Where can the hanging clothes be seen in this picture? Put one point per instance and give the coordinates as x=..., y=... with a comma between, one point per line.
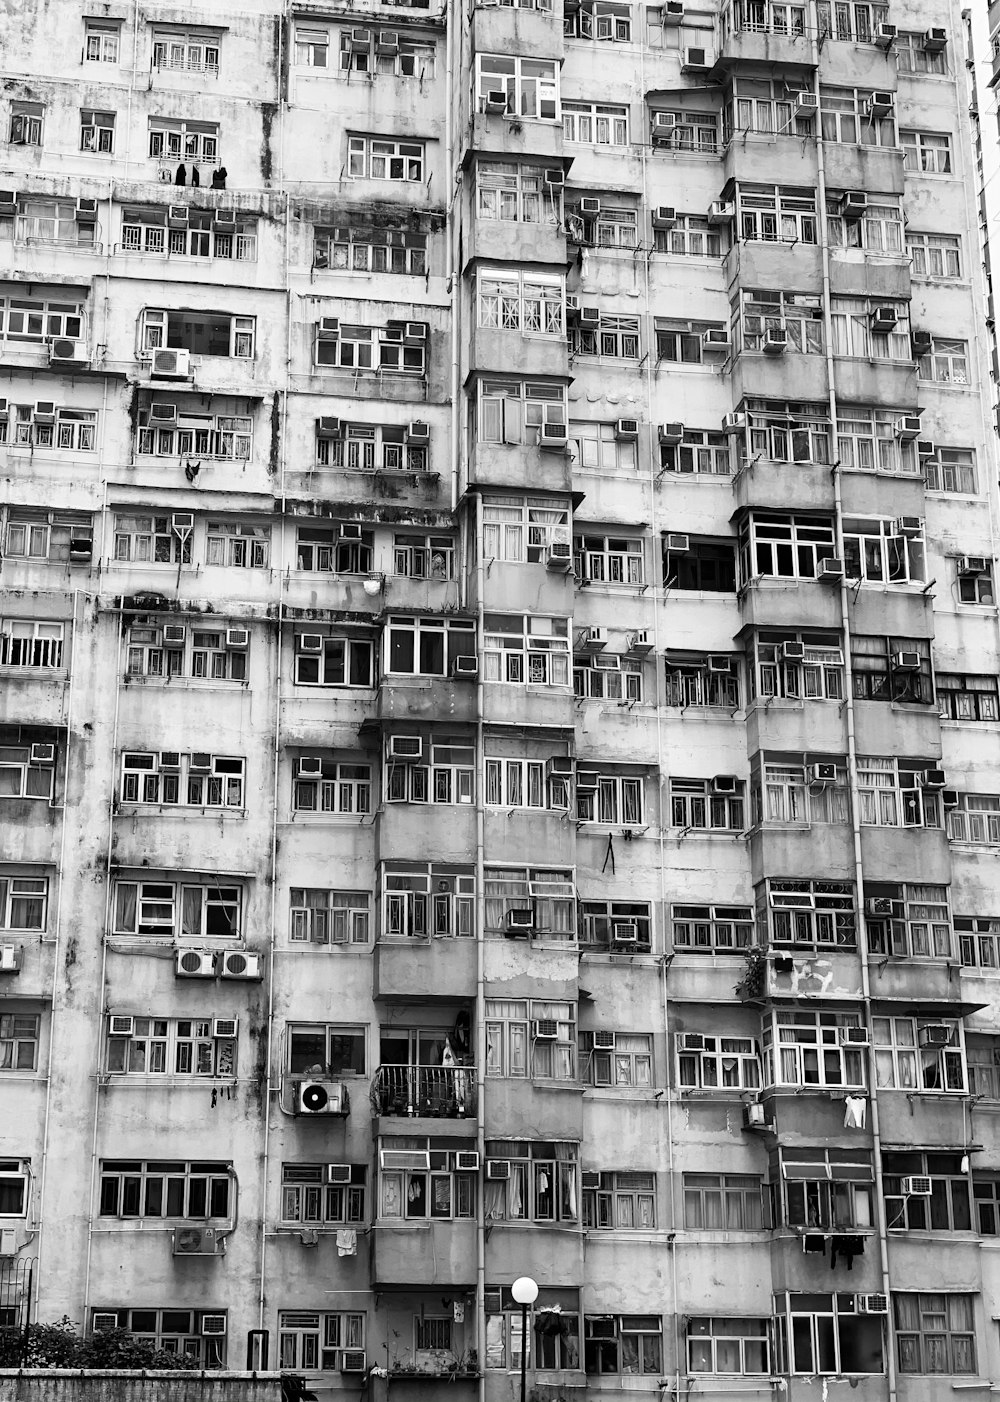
x=855, y=1111
x=347, y=1242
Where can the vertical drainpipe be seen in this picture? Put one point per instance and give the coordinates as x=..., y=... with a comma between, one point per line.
x=852, y=772
x=480, y=965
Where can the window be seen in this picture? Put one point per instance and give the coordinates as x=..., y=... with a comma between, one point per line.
x=608, y=677
x=609, y=798
x=367, y=249
x=149, y=231
x=41, y=319
x=541, y=1186
x=699, y=452
x=623, y=1343
x=23, y=901
x=986, y=1192
x=173, y=139
x=595, y=123
x=615, y=925
x=796, y=433
x=867, y=442
x=723, y=1202
x=604, y=21
x=935, y=1333
x=310, y=1342
x=72, y=429
x=530, y=85
x=514, y=193
x=312, y=46
x=760, y=17
x=531, y=1039
x=343, y=549
x=855, y=330
x=393, y=347
x=934, y=255
x=202, y=333
x=520, y=530
x=550, y=896
x=978, y=940
x=983, y=1063
x=237, y=546
x=946, y=1210
x=822, y=1334
x=890, y=793
x=53, y=221
x=319, y=916
x=325, y=1050
x=14, y=1187
x=332, y=661
x=759, y=106
x=966, y=696
x=620, y=1202
x=198, y=1335
x=524, y=302
x=617, y=338
x=772, y=213
x=822, y=1188
x=195, y=780
x=879, y=230
x=717, y=1063
x=946, y=363
x=857, y=22
x=426, y=903
x=191, y=1191
x=200, y=654
x=449, y=777
x=97, y=131
x=975, y=819
x=845, y=117
x=927, y=152
x=612, y=228
x=176, y=909
x=952, y=470
x=703, y=681
x=809, y=913
x=513, y=411
x=798, y=314
x=916, y=1054
x=307, y=1199
x=975, y=586
x=19, y=1034
x=342, y=789
x=691, y=237
x=609, y=559
x=804, y=1049
x=431, y=1187
x=522, y=783
x=27, y=121
x=701, y=804
x=526, y=648
x=706, y=566
x=788, y=546
x=373, y=158
x=727, y=1345
x=876, y=553
x=186, y=52
x=100, y=43
x=694, y=132
x=711, y=929
x=817, y=675
x=370, y=448
x=27, y=643
x=892, y=669
x=170, y=1046
x=628, y=1061
x=151, y=540
x=556, y=1348
x=21, y=776
x=918, y=926
x=425, y=646
x=597, y=447
x=408, y=59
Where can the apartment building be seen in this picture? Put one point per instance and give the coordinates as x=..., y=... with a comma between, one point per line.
x=501, y=736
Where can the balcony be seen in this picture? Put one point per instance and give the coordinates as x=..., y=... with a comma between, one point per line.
x=800, y=486
x=426, y=698
x=441, y=1255
x=877, y=169
x=520, y=465
x=425, y=1093
x=493, y=350
x=768, y=601
x=537, y=33
x=754, y=44
x=516, y=136
x=418, y=969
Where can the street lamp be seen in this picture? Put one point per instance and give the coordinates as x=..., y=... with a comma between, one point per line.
x=525, y=1293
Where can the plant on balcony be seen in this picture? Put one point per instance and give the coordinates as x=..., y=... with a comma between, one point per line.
x=752, y=984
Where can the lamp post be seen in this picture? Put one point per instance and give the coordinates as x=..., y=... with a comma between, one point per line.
x=525, y=1293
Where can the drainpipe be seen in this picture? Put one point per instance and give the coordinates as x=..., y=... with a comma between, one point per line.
x=480, y=964
x=852, y=771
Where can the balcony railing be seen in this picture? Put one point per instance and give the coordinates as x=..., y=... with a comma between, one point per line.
x=421, y=1092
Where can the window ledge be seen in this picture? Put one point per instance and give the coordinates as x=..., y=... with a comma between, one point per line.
x=124, y=1080
x=176, y=810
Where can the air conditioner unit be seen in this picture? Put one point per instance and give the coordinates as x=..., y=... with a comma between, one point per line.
x=104, y=1321
x=497, y=1169
x=690, y=1041
x=553, y=436
x=664, y=216
x=950, y=798
x=163, y=413
x=624, y=932
x=716, y=338
x=639, y=643
x=793, y=651
x=177, y=216
x=916, y=1186
x=753, y=1116
x=418, y=432
x=664, y=126
x=878, y=906
x=775, y=340
x=224, y=1029
x=64, y=352
x=853, y=204
x=328, y=328
x=555, y=179
x=559, y=766
x=934, y=1034
x=310, y=767
x=310, y=642
x=171, y=364
x=8, y=1242
x=195, y=963
x=586, y=782
x=590, y=317
x=174, y=632
x=831, y=570
x=973, y=564
x=338, y=1173
x=10, y=959
x=353, y=1360
x=879, y=105
x=909, y=526
x=872, y=1304
x=670, y=435
x=238, y=638
x=908, y=427
x=196, y=1241
x=589, y=1179
x=854, y=1037
x=119, y=1026
x=725, y=783
x=4, y=411
x=238, y=964
x=590, y=206
x=8, y=204
x=351, y=530
x=328, y=428
x=320, y=1097
x=823, y=774
x=467, y=1160
x=719, y=664
x=360, y=40
x=677, y=544
x=934, y=40
x=559, y=556
x=907, y=661
x=545, y=1029
x=405, y=746
x=495, y=102
x=387, y=42
x=224, y=220
x=594, y=639
x=672, y=12
x=920, y=343
x=521, y=918
x=42, y=754
x=885, y=35
x=627, y=430
x=883, y=320
x=805, y=104
x=695, y=61
x=925, y=449
x=86, y=210
x=734, y=423
x=415, y=332
x=465, y=668
x=170, y=759
x=213, y=1325
x=721, y=212
x=45, y=411
x=604, y=1041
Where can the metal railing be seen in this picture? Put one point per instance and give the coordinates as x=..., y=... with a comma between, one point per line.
x=420, y=1092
